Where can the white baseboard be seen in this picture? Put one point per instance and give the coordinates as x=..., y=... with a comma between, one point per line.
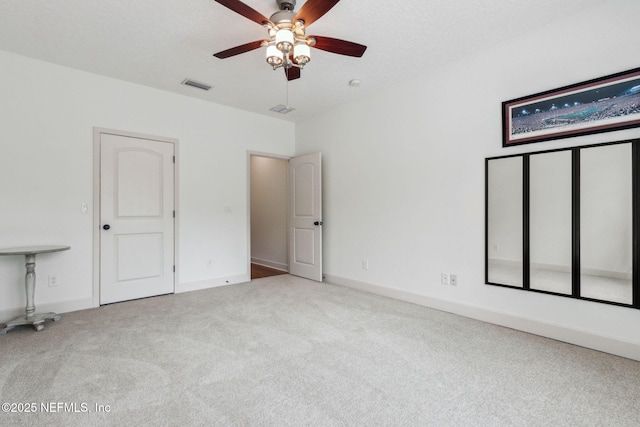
x=83, y=304
x=617, y=346
x=54, y=307
x=211, y=283
x=271, y=264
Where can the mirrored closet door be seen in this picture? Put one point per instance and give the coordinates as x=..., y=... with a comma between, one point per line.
x=562, y=222
x=606, y=224
x=504, y=225
x=550, y=222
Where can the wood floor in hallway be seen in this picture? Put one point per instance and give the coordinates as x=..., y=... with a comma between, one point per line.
x=259, y=271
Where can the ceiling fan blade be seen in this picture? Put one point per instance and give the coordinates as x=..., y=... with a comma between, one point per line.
x=292, y=73
x=341, y=47
x=244, y=10
x=239, y=49
x=313, y=10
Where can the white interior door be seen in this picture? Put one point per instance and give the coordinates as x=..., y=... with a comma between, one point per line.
x=305, y=225
x=136, y=218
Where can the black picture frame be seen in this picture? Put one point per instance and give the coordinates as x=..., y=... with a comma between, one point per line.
x=600, y=105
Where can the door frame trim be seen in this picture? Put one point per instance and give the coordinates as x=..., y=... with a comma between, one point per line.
x=251, y=153
x=97, y=132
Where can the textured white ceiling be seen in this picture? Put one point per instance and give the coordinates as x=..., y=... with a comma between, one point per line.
x=159, y=43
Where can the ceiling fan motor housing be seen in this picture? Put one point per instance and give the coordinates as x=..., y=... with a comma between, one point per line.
x=283, y=18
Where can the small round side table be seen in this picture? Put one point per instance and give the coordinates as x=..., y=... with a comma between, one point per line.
x=31, y=317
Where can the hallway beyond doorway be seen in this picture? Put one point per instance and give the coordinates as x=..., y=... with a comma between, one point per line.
x=258, y=271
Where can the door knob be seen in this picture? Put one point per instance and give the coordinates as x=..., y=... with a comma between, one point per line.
x=317, y=223
x=106, y=227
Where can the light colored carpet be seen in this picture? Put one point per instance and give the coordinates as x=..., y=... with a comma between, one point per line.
x=286, y=351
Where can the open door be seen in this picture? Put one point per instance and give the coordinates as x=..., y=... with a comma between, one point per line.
x=305, y=210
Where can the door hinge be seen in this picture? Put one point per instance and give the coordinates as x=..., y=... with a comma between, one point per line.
x=174, y=159
x=174, y=214
x=174, y=268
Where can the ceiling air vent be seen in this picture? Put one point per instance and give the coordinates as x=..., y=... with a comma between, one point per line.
x=282, y=109
x=193, y=83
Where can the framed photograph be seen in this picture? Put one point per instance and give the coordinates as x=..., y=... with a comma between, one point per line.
x=600, y=105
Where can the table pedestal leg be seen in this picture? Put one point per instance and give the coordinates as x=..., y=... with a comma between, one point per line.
x=30, y=284
x=30, y=317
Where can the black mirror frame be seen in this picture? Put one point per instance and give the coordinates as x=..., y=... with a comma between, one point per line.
x=575, y=220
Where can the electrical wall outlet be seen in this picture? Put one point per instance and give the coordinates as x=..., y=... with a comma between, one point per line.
x=53, y=281
x=453, y=280
x=444, y=278
x=365, y=264
x=209, y=263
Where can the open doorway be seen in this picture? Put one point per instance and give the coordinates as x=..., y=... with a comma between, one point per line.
x=285, y=211
x=269, y=178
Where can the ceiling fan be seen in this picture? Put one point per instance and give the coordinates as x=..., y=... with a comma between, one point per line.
x=288, y=46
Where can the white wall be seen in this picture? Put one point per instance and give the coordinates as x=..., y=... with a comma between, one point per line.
x=47, y=115
x=269, y=202
x=404, y=176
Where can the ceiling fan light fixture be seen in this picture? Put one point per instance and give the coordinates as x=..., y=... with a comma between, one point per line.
x=284, y=40
x=301, y=53
x=274, y=56
x=288, y=46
